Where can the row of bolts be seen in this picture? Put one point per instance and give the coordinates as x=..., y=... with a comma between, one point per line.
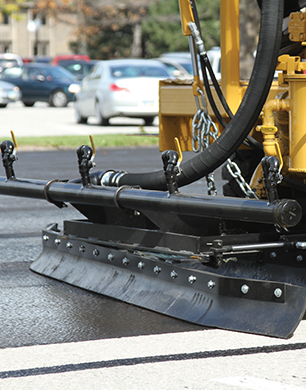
x=173, y=274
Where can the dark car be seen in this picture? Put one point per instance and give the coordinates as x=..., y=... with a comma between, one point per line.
x=79, y=68
x=43, y=83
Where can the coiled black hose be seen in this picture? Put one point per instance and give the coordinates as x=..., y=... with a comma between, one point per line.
x=240, y=126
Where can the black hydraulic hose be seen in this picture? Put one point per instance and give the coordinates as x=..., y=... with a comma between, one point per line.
x=206, y=65
x=246, y=116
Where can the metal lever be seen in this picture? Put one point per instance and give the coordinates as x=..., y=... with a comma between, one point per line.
x=170, y=160
x=85, y=160
x=8, y=158
x=271, y=175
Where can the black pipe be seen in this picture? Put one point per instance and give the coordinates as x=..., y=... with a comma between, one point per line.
x=245, y=118
x=284, y=213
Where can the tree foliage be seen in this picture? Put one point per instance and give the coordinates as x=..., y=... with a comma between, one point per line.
x=11, y=7
x=162, y=31
x=112, y=30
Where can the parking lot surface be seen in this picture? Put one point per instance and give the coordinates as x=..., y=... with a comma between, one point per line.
x=56, y=336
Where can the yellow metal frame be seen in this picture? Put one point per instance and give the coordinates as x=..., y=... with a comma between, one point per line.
x=177, y=102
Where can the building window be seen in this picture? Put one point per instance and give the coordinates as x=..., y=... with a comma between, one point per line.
x=4, y=19
x=5, y=47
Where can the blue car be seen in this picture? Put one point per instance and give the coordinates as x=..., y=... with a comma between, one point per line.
x=43, y=83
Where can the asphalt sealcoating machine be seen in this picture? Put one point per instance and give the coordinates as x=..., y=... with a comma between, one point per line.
x=236, y=261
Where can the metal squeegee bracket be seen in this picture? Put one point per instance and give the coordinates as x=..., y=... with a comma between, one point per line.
x=200, y=296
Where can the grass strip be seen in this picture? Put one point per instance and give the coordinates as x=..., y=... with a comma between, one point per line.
x=100, y=140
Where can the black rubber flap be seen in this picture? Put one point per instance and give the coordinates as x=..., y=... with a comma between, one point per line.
x=277, y=317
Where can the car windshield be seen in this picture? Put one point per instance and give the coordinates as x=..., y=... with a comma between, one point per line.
x=130, y=71
x=8, y=63
x=57, y=73
x=12, y=72
x=187, y=66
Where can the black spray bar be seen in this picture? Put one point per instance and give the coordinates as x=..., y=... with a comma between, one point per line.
x=284, y=212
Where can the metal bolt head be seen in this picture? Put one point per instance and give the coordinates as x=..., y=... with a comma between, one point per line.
x=156, y=269
x=192, y=279
x=95, y=252
x=278, y=292
x=173, y=274
x=57, y=241
x=272, y=255
x=125, y=261
x=69, y=245
x=82, y=249
x=299, y=258
x=211, y=284
x=245, y=289
x=45, y=237
x=110, y=257
x=141, y=265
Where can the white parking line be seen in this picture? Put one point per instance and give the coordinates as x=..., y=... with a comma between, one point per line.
x=257, y=383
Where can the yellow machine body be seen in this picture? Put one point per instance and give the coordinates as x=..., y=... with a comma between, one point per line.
x=281, y=127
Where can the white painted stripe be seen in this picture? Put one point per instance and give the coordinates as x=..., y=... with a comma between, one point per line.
x=248, y=382
x=131, y=347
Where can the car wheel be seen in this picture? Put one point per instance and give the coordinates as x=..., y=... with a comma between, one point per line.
x=78, y=117
x=100, y=119
x=3, y=105
x=28, y=104
x=149, y=120
x=58, y=99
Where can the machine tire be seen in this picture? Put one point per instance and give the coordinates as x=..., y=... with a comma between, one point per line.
x=101, y=120
x=28, y=104
x=78, y=117
x=3, y=105
x=58, y=99
x=149, y=120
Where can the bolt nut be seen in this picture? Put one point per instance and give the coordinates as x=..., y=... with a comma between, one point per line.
x=245, y=289
x=273, y=255
x=192, y=279
x=278, y=292
x=45, y=237
x=125, y=261
x=82, y=249
x=141, y=265
x=211, y=284
x=57, y=241
x=173, y=274
x=156, y=269
x=110, y=257
x=95, y=252
x=69, y=245
x=299, y=258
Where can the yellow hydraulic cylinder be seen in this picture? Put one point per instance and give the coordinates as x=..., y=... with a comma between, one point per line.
x=297, y=130
x=230, y=69
x=186, y=16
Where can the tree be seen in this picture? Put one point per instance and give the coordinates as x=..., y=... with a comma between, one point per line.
x=249, y=22
x=11, y=7
x=162, y=31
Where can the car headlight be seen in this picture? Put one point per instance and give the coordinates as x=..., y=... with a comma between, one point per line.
x=74, y=88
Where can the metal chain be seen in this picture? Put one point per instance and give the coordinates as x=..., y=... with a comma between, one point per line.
x=202, y=129
x=235, y=172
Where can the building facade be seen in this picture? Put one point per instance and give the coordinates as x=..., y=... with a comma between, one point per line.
x=30, y=36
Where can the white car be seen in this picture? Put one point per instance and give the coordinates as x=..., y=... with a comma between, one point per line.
x=126, y=87
x=9, y=93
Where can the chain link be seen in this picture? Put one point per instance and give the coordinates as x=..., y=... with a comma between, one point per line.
x=235, y=172
x=202, y=129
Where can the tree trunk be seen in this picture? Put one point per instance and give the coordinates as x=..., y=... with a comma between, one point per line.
x=249, y=29
x=136, y=46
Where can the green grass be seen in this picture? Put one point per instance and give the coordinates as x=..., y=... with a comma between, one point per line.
x=101, y=141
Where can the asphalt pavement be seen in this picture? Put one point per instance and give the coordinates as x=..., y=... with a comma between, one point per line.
x=56, y=336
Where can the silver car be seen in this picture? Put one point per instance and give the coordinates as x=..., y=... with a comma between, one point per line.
x=8, y=93
x=121, y=88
